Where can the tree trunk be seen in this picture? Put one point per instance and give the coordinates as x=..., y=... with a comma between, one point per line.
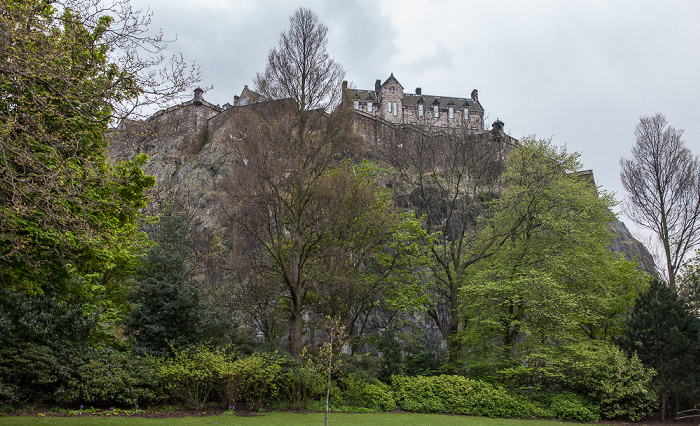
x=295, y=325
x=663, y=407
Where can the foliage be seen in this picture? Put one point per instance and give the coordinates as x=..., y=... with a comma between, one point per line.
x=665, y=334
x=360, y=392
x=662, y=180
x=108, y=377
x=43, y=338
x=62, y=205
x=167, y=312
x=689, y=284
x=572, y=407
x=460, y=395
x=553, y=277
x=618, y=385
x=195, y=375
x=447, y=172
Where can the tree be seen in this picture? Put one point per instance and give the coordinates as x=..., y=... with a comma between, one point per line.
x=553, y=278
x=313, y=214
x=67, y=70
x=665, y=335
x=167, y=312
x=449, y=173
x=300, y=69
x=689, y=284
x=662, y=180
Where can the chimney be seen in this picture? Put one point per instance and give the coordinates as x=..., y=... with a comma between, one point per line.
x=475, y=95
x=418, y=91
x=377, y=86
x=198, y=98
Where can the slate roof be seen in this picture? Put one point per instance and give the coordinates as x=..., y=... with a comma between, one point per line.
x=412, y=100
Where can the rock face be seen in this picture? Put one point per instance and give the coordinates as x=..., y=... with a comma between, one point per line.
x=190, y=153
x=634, y=250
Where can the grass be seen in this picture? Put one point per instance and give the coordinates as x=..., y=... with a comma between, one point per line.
x=287, y=419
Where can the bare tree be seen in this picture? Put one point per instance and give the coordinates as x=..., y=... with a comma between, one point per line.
x=662, y=180
x=290, y=193
x=300, y=68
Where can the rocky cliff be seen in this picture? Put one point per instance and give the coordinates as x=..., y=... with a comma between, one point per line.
x=190, y=153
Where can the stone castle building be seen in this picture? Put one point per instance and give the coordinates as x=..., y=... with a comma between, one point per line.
x=390, y=103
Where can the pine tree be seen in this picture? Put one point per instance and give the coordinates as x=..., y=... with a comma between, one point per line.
x=666, y=336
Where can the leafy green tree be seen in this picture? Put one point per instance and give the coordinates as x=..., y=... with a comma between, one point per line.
x=448, y=174
x=167, y=312
x=553, y=277
x=665, y=335
x=67, y=70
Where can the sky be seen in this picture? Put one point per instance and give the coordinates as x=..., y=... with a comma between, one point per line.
x=580, y=72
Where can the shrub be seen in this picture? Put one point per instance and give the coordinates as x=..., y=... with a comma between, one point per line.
x=373, y=395
x=250, y=379
x=573, y=407
x=620, y=386
x=197, y=374
x=298, y=386
x=191, y=375
x=459, y=395
x=109, y=377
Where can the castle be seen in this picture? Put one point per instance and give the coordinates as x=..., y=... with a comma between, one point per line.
x=390, y=103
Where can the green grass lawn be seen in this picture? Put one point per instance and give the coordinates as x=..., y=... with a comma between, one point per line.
x=287, y=419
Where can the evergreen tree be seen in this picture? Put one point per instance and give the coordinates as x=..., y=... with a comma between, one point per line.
x=666, y=336
x=168, y=311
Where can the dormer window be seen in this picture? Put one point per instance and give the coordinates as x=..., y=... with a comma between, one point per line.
x=244, y=101
x=369, y=106
x=436, y=111
x=357, y=104
x=466, y=113
x=451, y=111
x=391, y=89
x=420, y=110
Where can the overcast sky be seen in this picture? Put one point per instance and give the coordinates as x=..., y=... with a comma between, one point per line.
x=580, y=72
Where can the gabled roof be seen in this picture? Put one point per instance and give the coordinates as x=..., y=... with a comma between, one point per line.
x=392, y=79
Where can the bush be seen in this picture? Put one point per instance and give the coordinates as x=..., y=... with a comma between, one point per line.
x=109, y=377
x=620, y=386
x=572, y=407
x=373, y=395
x=195, y=375
x=192, y=375
x=459, y=395
x=298, y=386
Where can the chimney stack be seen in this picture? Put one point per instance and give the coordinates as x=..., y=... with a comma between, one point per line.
x=418, y=91
x=475, y=95
x=198, y=98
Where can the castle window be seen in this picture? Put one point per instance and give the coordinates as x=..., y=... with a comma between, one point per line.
x=466, y=114
x=451, y=111
x=391, y=89
x=388, y=107
x=436, y=111
x=357, y=104
x=396, y=109
x=420, y=110
x=244, y=101
x=369, y=106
